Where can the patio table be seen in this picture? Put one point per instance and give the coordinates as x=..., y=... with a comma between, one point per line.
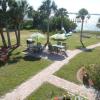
x=58, y=48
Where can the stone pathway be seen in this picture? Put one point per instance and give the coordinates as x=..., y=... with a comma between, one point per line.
x=26, y=88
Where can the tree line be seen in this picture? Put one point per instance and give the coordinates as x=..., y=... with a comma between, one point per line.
x=46, y=18
x=11, y=15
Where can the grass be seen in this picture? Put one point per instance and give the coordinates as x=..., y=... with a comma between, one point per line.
x=69, y=71
x=74, y=41
x=48, y=92
x=19, y=68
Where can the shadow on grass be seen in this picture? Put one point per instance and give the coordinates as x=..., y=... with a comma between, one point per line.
x=14, y=60
x=17, y=53
x=84, y=49
x=31, y=58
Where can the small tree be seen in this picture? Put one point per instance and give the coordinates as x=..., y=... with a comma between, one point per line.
x=18, y=9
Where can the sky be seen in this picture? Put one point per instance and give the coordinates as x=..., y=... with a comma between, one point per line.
x=93, y=6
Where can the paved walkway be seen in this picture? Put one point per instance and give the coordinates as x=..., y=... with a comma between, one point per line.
x=26, y=88
x=71, y=87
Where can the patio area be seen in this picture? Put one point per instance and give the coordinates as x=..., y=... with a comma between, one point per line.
x=58, y=53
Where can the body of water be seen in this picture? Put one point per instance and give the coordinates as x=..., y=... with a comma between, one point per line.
x=89, y=24
x=88, y=27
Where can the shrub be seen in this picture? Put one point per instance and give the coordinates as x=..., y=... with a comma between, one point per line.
x=94, y=73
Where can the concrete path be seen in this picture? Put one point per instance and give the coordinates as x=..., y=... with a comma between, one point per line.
x=71, y=87
x=26, y=88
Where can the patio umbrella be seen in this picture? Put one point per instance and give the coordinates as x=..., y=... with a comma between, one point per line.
x=68, y=34
x=36, y=36
x=58, y=37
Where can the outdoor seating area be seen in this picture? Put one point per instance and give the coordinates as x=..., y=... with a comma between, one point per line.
x=35, y=48
x=33, y=44
x=58, y=48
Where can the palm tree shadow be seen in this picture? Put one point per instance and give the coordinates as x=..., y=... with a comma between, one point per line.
x=84, y=49
x=31, y=58
x=14, y=60
x=53, y=56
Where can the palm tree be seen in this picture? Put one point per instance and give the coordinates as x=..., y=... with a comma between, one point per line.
x=3, y=22
x=45, y=9
x=82, y=14
x=18, y=9
x=62, y=12
x=35, y=15
x=6, y=13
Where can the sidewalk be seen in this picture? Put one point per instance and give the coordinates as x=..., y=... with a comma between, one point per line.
x=71, y=87
x=26, y=88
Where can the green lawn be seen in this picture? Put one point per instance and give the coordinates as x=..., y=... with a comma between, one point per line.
x=19, y=68
x=69, y=71
x=74, y=41
x=48, y=92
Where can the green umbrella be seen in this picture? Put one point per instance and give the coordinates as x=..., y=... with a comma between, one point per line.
x=58, y=37
x=36, y=36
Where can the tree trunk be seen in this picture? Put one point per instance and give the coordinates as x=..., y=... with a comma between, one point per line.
x=8, y=36
x=61, y=22
x=18, y=35
x=47, y=34
x=81, y=40
x=3, y=39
